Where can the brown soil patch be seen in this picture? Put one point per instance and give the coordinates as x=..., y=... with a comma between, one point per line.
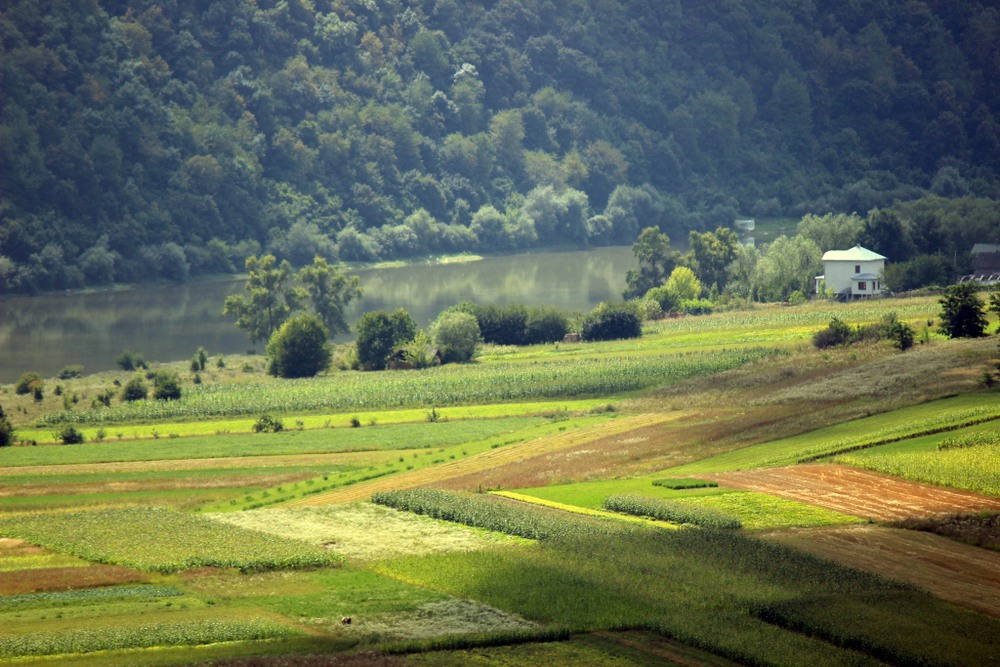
x=176, y=484
x=953, y=571
x=66, y=578
x=10, y=546
x=857, y=492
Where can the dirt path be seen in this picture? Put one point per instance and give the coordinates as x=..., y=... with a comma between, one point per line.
x=953, y=571
x=858, y=492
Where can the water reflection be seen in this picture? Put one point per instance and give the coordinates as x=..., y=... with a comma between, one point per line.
x=169, y=322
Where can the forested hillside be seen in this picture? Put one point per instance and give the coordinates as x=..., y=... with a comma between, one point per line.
x=162, y=138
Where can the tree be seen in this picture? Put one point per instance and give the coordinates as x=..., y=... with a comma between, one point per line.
x=832, y=231
x=6, y=430
x=713, y=252
x=656, y=261
x=456, y=336
x=299, y=348
x=330, y=293
x=683, y=284
x=377, y=337
x=269, y=298
x=786, y=265
x=962, y=312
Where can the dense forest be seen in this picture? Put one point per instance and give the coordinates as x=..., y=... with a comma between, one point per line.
x=145, y=139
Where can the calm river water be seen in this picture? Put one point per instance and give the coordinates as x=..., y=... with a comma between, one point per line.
x=169, y=322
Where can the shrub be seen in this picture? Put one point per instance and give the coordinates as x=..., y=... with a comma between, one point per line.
x=545, y=325
x=70, y=372
x=667, y=299
x=685, y=483
x=299, y=348
x=135, y=390
x=502, y=325
x=666, y=510
x=69, y=435
x=25, y=382
x=167, y=386
x=612, y=321
x=837, y=333
x=128, y=361
x=268, y=424
x=379, y=335
x=6, y=430
x=697, y=306
x=456, y=336
x=650, y=308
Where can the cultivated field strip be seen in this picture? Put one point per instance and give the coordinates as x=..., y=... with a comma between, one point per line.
x=857, y=492
x=485, y=460
x=953, y=571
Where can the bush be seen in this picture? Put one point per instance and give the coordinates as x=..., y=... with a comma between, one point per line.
x=502, y=325
x=697, y=306
x=837, y=333
x=299, y=348
x=129, y=361
x=268, y=424
x=135, y=390
x=27, y=383
x=70, y=436
x=456, y=336
x=379, y=335
x=6, y=430
x=70, y=372
x=167, y=386
x=667, y=299
x=612, y=321
x=545, y=325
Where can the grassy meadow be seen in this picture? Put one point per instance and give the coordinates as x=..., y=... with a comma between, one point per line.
x=541, y=504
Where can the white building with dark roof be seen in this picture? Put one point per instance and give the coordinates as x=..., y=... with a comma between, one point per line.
x=851, y=273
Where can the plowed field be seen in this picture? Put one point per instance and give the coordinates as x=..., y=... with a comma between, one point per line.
x=858, y=492
x=951, y=570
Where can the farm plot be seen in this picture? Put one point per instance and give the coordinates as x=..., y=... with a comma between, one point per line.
x=479, y=463
x=160, y=540
x=26, y=568
x=857, y=492
x=347, y=530
x=953, y=571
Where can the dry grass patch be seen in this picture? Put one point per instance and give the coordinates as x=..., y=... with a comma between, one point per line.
x=348, y=529
x=438, y=619
x=37, y=580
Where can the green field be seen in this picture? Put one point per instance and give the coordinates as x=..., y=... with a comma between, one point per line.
x=180, y=537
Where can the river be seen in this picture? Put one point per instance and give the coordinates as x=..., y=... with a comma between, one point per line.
x=169, y=322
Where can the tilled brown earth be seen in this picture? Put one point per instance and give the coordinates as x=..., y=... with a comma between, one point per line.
x=858, y=492
x=953, y=571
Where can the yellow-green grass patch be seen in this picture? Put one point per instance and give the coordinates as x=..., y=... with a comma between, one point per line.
x=575, y=509
x=182, y=429
x=760, y=511
x=975, y=469
x=347, y=530
x=591, y=495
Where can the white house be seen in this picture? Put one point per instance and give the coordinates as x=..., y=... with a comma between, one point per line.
x=851, y=273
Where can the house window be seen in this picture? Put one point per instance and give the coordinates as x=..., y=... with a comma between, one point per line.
x=857, y=268
x=862, y=286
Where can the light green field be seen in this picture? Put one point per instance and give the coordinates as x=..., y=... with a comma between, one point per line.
x=905, y=423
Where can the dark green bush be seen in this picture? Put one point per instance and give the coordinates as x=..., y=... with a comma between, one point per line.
x=268, y=424
x=685, y=483
x=167, y=386
x=135, y=390
x=70, y=372
x=25, y=382
x=612, y=321
x=299, y=348
x=69, y=435
x=6, y=430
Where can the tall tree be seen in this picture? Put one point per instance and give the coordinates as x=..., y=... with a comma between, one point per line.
x=713, y=252
x=962, y=312
x=330, y=293
x=656, y=260
x=269, y=298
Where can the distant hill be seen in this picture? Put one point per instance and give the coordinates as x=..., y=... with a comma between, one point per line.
x=162, y=138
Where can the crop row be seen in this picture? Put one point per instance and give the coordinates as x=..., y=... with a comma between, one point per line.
x=484, y=511
x=85, y=596
x=162, y=540
x=444, y=386
x=669, y=510
x=139, y=636
x=969, y=468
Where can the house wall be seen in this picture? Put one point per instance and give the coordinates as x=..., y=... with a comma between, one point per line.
x=838, y=273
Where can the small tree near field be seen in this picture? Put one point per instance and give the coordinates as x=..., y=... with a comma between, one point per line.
x=135, y=390
x=456, y=336
x=299, y=348
x=6, y=430
x=962, y=312
x=167, y=386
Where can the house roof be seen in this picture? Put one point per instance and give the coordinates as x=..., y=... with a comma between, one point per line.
x=855, y=254
x=979, y=248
